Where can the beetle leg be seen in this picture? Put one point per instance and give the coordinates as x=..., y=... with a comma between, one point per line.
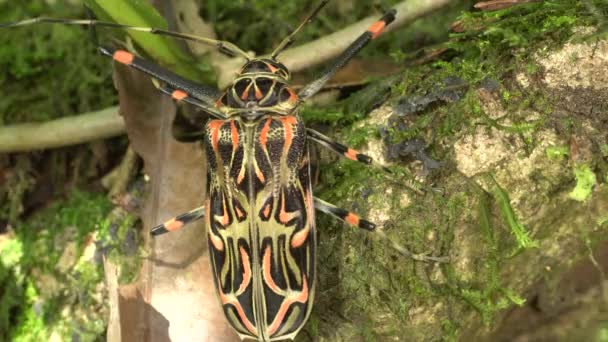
x=182, y=129
x=180, y=95
x=203, y=93
x=359, y=43
x=337, y=147
x=179, y=221
x=354, y=220
x=343, y=215
x=223, y=46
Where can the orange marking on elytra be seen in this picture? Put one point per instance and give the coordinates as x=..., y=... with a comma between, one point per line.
x=235, y=135
x=123, y=57
x=179, y=95
x=351, y=154
x=239, y=310
x=288, y=122
x=264, y=133
x=216, y=241
x=266, y=211
x=352, y=219
x=241, y=175
x=225, y=217
x=214, y=127
x=173, y=224
x=302, y=297
x=376, y=28
x=246, y=271
x=300, y=237
x=239, y=213
x=310, y=206
x=259, y=173
x=267, y=276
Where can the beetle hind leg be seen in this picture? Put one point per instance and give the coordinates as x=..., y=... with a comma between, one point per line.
x=179, y=221
x=354, y=220
x=343, y=215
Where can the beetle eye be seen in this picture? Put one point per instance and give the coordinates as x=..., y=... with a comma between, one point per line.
x=284, y=95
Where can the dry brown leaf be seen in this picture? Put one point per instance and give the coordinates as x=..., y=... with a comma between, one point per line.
x=174, y=298
x=358, y=71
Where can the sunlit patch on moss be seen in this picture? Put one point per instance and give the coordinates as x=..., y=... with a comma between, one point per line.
x=557, y=152
x=585, y=181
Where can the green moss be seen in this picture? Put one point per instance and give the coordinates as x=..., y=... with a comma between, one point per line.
x=604, y=150
x=31, y=325
x=557, y=152
x=49, y=71
x=54, y=280
x=486, y=295
x=120, y=235
x=519, y=231
x=585, y=181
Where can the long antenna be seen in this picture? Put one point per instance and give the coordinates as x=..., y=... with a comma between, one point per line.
x=289, y=39
x=223, y=46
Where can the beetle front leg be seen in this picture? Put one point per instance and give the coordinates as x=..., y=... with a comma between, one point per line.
x=179, y=221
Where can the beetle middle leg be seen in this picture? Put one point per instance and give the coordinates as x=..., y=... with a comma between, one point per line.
x=179, y=221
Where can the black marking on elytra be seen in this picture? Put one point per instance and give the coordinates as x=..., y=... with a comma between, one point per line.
x=225, y=145
x=273, y=300
x=219, y=201
x=294, y=154
x=292, y=200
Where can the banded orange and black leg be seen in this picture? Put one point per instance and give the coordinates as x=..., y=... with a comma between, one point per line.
x=179, y=221
x=204, y=94
x=337, y=147
x=344, y=215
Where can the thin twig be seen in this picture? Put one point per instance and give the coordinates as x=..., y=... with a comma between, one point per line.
x=66, y=131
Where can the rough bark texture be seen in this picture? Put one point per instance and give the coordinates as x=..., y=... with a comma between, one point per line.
x=519, y=203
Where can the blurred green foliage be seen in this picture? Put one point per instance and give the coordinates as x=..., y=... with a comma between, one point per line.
x=49, y=71
x=260, y=25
